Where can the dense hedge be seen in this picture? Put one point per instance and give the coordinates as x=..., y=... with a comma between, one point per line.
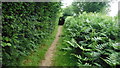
x=93, y=39
x=25, y=25
x=0, y=33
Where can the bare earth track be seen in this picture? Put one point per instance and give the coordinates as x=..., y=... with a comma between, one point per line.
x=50, y=52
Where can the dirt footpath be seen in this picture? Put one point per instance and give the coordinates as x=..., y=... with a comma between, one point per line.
x=50, y=53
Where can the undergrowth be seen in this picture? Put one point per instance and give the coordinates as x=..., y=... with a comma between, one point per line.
x=63, y=58
x=38, y=55
x=93, y=40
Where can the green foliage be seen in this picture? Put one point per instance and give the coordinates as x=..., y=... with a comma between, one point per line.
x=93, y=39
x=38, y=55
x=63, y=57
x=79, y=7
x=25, y=25
x=0, y=33
x=68, y=11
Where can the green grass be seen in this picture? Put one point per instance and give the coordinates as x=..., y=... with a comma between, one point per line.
x=36, y=57
x=63, y=58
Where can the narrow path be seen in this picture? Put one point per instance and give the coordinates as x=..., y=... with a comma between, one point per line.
x=50, y=53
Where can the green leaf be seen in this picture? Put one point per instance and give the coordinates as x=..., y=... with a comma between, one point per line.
x=8, y=44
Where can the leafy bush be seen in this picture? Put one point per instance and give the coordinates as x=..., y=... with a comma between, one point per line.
x=25, y=25
x=93, y=39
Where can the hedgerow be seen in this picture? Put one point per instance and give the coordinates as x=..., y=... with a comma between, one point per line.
x=24, y=26
x=93, y=39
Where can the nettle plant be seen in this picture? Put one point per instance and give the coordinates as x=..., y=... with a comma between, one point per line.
x=93, y=39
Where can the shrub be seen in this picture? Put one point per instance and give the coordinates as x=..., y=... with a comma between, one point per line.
x=93, y=39
x=25, y=25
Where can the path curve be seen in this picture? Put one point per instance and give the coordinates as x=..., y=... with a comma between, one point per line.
x=50, y=52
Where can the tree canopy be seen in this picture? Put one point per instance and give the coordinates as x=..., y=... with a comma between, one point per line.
x=79, y=7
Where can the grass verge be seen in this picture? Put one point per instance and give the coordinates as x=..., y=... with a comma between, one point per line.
x=63, y=58
x=36, y=57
